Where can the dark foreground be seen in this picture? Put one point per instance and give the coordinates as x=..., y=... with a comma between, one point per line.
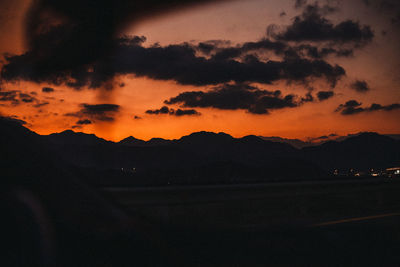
x=355, y=223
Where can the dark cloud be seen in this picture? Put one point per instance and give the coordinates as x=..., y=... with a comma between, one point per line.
x=282, y=14
x=299, y=3
x=183, y=112
x=360, y=86
x=163, y=110
x=316, y=52
x=47, y=90
x=16, y=97
x=367, y=2
x=179, y=63
x=41, y=104
x=324, y=95
x=352, y=107
x=98, y=112
x=10, y=96
x=170, y=111
x=308, y=98
x=27, y=98
x=237, y=96
x=73, y=50
x=312, y=26
x=67, y=35
x=206, y=48
x=84, y=122
x=277, y=47
x=137, y=117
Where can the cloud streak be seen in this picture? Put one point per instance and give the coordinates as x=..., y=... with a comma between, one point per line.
x=171, y=111
x=95, y=113
x=353, y=107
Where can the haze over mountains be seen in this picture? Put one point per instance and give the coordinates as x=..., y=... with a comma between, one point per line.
x=201, y=157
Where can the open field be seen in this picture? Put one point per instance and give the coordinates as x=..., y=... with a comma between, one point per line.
x=347, y=223
x=261, y=205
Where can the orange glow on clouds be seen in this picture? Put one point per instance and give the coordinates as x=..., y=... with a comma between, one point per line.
x=378, y=64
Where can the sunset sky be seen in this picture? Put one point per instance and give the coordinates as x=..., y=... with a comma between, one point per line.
x=295, y=69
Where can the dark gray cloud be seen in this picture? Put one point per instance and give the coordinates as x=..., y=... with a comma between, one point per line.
x=238, y=96
x=352, y=107
x=47, y=90
x=299, y=3
x=183, y=112
x=67, y=35
x=360, y=86
x=163, y=110
x=312, y=26
x=367, y=2
x=97, y=112
x=84, y=122
x=324, y=95
x=16, y=97
x=56, y=56
x=321, y=52
x=171, y=111
x=41, y=104
x=176, y=62
x=10, y=96
x=279, y=48
x=308, y=98
x=27, y=98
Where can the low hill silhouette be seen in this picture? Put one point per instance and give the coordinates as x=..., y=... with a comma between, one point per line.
x=198, y=158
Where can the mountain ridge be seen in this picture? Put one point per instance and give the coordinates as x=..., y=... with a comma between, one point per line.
x=155, y=141
x=198, y=158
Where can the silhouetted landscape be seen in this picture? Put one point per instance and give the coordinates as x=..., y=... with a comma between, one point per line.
x=204, y=157
x=207, y=133
x=215, y=158
x=210, y=211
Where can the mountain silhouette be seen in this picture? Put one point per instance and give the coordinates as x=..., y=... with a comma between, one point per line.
x=201, y=157
x=364, y=151
x=70, y=137
x=132, y=141
x=297, y=143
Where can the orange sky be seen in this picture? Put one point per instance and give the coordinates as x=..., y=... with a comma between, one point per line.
x=239, y=21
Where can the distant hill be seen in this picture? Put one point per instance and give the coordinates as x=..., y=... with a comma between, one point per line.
x=297, y=143
x=70, y=137
x=364, y=151
x=132, y=141
x=394, y=136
